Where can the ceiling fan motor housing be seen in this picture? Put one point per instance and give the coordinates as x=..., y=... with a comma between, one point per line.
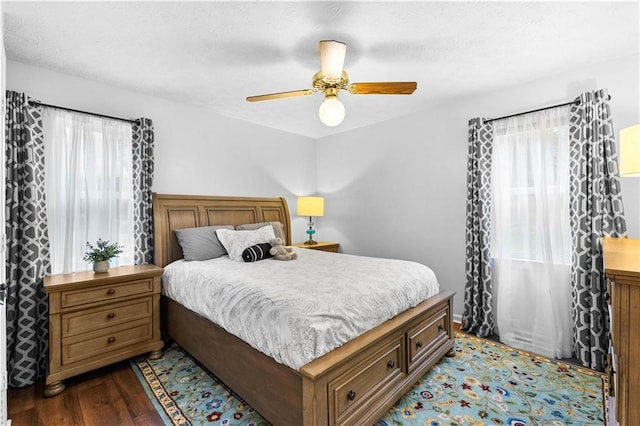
x=322, y=83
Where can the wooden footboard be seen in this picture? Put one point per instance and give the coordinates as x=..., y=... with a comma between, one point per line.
x=353, y=384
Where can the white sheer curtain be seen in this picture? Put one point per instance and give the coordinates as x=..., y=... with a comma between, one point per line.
x=88, y=186
x=531, y=237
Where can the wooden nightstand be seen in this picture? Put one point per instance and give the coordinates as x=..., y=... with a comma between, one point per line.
x=322, y=245
x=98, y=319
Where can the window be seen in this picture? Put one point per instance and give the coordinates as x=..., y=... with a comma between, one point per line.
x=530, y=180
x=88, y=186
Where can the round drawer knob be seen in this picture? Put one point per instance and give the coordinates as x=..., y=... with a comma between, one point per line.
x=391, y=364
x=351, y=395
x=111, y=291
x=419, y=344
x=111, y=339
x=110, y=315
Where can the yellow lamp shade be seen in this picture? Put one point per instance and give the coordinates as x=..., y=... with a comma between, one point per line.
x=311, y=206
x=630, y=151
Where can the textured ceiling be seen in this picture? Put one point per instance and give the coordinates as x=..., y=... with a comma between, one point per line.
x=214, y=54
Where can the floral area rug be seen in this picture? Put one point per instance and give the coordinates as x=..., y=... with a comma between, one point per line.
x=486, y=383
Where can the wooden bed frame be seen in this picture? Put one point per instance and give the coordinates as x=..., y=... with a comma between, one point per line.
x=353, y=384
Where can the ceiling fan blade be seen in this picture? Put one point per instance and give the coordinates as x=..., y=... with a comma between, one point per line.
x=280, y=95
x=332, y=58
x=383, y=88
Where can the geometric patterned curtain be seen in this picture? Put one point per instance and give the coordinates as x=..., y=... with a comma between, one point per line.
x=596, y=210
x=478, y=308
x=27, y=242
x=143, y=138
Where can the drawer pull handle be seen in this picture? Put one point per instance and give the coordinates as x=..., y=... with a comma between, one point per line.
x=351, y=395
x=111, y=339
x=419, y=344
x=391, y=364
x=440, y=328
x=110, y=315
x=111, y=291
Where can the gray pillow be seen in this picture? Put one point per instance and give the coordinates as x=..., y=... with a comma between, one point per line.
x=278, y=228
x=201, y=243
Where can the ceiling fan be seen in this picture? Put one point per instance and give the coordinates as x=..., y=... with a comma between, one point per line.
x=332, y=78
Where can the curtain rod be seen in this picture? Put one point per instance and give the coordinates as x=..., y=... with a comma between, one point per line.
x=82, y=112
x=577, y=102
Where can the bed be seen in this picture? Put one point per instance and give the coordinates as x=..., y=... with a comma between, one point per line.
x=355, y=383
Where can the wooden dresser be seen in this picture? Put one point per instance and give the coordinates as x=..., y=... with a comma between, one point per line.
x=322, y=245
x=99, y=319
x=622, y=265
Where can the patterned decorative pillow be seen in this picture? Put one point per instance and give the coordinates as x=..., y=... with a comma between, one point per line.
x=236, y=241
x=201, y=243
x=256, y=252
x=278, y=228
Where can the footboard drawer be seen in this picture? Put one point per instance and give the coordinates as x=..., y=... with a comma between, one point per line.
x=374, y=375
x=424, y=338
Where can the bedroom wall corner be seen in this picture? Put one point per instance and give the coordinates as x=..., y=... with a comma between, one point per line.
x=398, y=188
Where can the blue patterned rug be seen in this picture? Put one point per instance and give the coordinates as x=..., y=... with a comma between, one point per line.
x=486, y=383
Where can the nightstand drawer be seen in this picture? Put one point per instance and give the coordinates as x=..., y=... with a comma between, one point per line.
x=110, y=339
x=105, y=316
x=105, y=292
x=330, y=249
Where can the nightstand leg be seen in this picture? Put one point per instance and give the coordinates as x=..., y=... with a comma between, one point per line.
x=451, y=353
x=156, y=354
x=54, y=389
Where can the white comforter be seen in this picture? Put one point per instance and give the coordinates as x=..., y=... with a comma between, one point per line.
x=295, y=311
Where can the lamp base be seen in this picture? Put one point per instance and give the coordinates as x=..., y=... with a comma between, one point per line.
x=310, y=242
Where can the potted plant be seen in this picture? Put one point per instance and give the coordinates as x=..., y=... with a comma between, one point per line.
x=101, y=254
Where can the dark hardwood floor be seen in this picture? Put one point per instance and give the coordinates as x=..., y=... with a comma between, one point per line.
x=108, y=396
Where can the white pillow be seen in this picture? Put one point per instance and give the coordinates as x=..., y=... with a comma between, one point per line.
x=236, y=241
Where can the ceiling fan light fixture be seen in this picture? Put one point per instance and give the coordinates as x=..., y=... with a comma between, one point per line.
x=331, y=111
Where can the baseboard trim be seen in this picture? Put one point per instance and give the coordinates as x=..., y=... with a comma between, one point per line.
x=457, y=322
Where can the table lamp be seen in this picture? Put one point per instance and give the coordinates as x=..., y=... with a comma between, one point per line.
x=630, y=151
x=312, y=207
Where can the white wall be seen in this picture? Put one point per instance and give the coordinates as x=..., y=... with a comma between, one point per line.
x=196, y=152
x=398, y=189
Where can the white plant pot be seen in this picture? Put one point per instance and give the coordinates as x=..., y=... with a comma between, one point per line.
x=102, y=266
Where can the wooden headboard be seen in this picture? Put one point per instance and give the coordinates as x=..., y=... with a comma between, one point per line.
x=189, y=211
